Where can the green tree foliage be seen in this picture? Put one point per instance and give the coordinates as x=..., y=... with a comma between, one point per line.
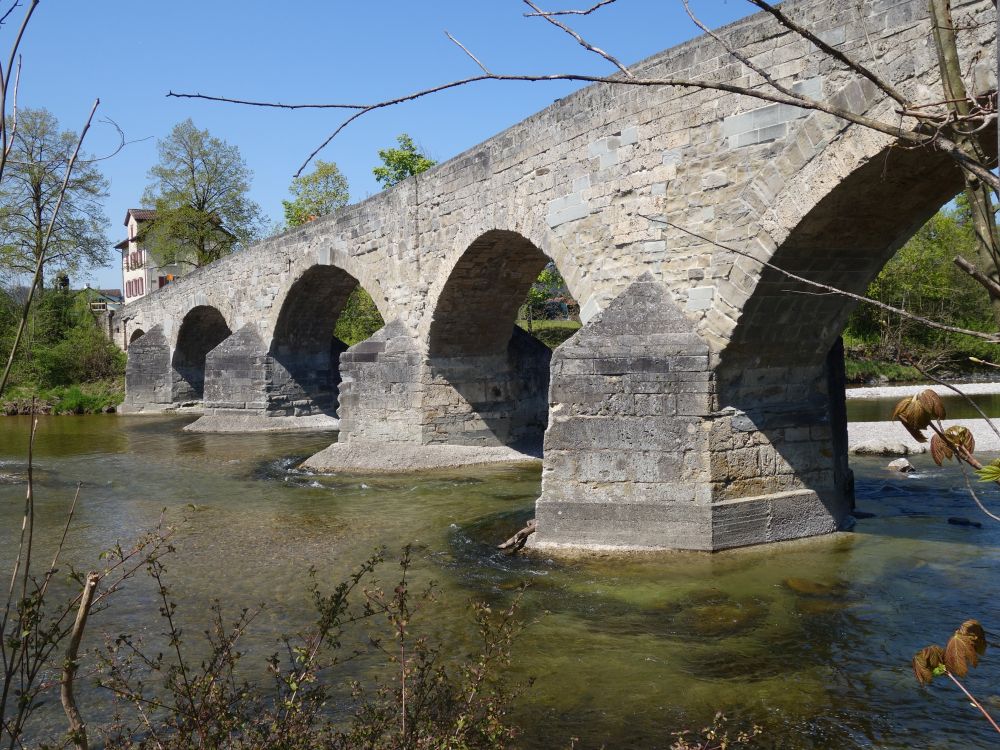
x=64, y=344
x=200, y=192
x=923, y=280
x=360, y=318
x=400, y=163
x=33, y=178
x=318, y=193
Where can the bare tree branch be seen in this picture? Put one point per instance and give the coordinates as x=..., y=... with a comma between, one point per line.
x=991, y=337
x=78, y=729
x=991, y=286
x=586, y=12
x=580, y=40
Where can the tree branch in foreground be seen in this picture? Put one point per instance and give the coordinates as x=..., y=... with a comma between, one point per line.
x=78, y=729
x=990, y=337
x=930, y=128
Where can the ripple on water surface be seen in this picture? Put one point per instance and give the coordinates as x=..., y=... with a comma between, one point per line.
x=812, y=640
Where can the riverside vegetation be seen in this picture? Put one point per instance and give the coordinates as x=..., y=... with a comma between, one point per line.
x=67, y=364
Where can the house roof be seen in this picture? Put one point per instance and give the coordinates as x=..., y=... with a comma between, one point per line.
x=140, y=214
x=115, y=294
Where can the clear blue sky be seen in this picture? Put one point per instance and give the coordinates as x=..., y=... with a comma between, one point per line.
x=131, y=53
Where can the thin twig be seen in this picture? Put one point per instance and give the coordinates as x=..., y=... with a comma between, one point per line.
x=465, y=49
x=972, y=492
x=992, y=338
x=580, y=40
x=586, y=12
x=975, y=703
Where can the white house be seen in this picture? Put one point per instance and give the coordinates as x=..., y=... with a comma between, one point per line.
x=140, y=273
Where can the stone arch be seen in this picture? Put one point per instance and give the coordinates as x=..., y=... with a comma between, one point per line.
x=779, y=379
x=138, y=333
x=304, y=349
x=844, y=241
x=487, y=380
x=202, y=329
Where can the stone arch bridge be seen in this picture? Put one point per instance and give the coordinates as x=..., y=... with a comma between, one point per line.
x=699, y=407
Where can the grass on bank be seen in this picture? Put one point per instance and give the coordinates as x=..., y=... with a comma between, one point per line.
x=83, y=398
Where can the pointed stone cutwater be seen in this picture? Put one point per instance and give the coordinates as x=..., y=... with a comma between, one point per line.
x=626, y=462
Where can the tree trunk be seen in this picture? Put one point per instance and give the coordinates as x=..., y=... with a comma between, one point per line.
x=978, y=194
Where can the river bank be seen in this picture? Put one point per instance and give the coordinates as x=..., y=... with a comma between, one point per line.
x=98, y=397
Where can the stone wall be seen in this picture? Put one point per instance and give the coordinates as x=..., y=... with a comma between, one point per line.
x=626, y=452
x=148, y=374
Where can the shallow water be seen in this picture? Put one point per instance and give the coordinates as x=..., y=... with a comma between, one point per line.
x=956, y=407
x=811, y=640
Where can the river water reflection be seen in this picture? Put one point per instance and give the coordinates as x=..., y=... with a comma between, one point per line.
x=812, y=640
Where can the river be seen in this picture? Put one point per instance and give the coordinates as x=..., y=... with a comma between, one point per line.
x=812, y=639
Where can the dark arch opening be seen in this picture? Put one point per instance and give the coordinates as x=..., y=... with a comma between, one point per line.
x=844, y=241
x=305, y=349
x=784, y=365
x=202, y=329
x=138, y=333
x=488, y=378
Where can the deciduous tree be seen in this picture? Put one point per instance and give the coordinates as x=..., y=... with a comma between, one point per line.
x=318, y=193
x=200, y=192
x=400, y=163
x=33, y=180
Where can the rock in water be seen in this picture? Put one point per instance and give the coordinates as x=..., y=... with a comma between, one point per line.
x=959, y=521
x=901, y=465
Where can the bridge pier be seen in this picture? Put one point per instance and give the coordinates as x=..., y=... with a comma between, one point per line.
x=148, y=376
x=639, y=453
x=247, y=388
x=489, y=400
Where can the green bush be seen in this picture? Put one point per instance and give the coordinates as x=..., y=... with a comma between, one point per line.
x=62, y=344
x=84, y=355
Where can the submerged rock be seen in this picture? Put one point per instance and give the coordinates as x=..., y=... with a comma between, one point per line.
x=901, y=465
x=959, y=521
x=809, y=587
x=714, y=614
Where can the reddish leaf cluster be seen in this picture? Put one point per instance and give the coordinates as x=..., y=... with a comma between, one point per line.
x=962, y=651
x=916, y=413
x=955, y=437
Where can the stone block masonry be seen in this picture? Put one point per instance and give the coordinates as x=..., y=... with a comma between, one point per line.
x=697, y=407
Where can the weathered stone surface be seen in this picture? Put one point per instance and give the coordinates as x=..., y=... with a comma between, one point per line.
x=148, y=376
x=710, y=414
